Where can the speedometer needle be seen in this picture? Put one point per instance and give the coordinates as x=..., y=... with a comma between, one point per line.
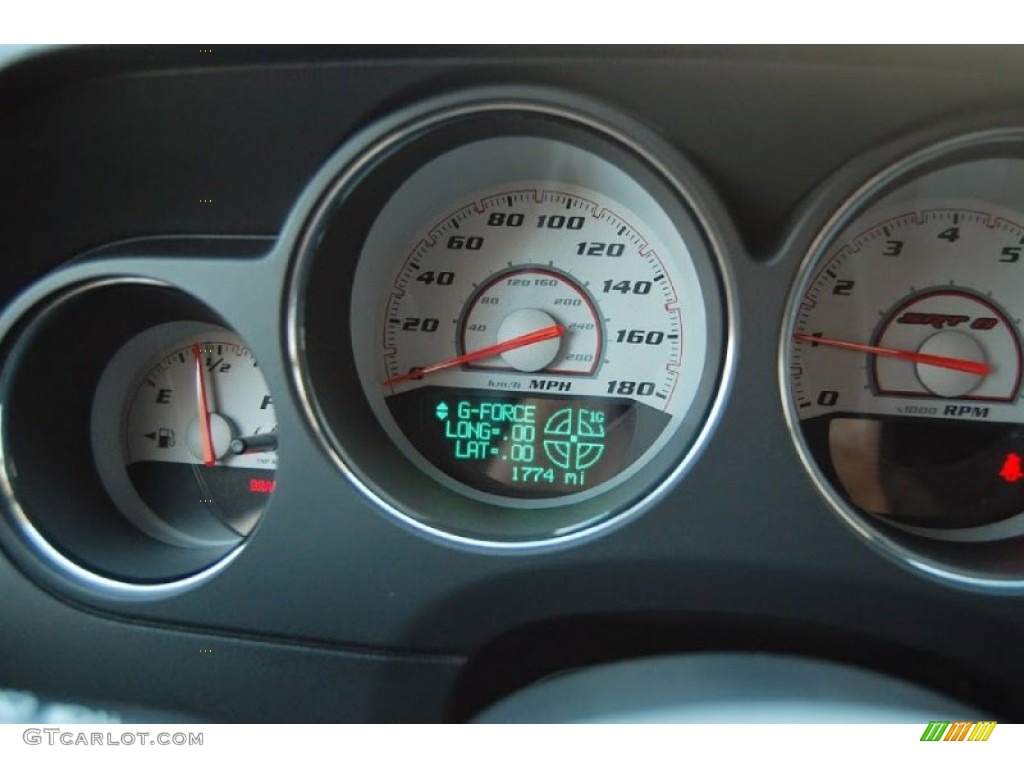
x=209, y=457
x=939, y=361
x=533, y=337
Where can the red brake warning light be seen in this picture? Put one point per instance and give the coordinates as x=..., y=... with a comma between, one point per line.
x=1011, y=471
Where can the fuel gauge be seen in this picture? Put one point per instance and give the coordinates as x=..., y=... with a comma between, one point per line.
x=184, y=434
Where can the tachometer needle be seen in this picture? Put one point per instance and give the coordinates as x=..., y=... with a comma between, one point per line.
x=209, y=457
x=939, y=361
x=550, y=332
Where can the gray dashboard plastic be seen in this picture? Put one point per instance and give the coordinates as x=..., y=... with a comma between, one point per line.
x=332, y=603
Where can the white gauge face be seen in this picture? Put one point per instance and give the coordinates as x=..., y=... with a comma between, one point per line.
x=532, y=342
x=905, y=366
x=184, y=433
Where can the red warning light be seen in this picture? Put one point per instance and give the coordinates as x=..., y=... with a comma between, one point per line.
x=1011, y=471
x=267, y=486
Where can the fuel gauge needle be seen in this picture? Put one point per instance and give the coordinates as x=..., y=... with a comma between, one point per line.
x=939, y=361
x=209, y=457
x=533, y=337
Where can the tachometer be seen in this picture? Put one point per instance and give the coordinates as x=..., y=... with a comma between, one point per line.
x=904, y=357
x=906, y=366
x=536, y=319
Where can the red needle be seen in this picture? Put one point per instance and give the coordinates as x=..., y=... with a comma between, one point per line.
x=551, y=332
x=209, y=458
x=939, y=361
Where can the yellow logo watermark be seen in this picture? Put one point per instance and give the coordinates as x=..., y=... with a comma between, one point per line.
x=939, y=730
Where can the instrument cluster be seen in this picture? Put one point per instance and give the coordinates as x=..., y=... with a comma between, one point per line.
x=508, y=318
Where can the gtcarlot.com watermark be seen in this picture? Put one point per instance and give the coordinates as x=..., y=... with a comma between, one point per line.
x=72, y=738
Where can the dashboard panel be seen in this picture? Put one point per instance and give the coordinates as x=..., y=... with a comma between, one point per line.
x=238, y=289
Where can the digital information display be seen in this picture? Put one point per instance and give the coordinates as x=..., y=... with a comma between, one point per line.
x=523, y=446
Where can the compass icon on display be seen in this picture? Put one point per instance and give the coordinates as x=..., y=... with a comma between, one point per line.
x=574, y=438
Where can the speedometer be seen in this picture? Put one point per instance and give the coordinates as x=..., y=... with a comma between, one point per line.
x=537, y=323
x=531, y=343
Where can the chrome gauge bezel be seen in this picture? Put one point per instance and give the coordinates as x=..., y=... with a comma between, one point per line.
x=445, y=514
x=975, y=560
